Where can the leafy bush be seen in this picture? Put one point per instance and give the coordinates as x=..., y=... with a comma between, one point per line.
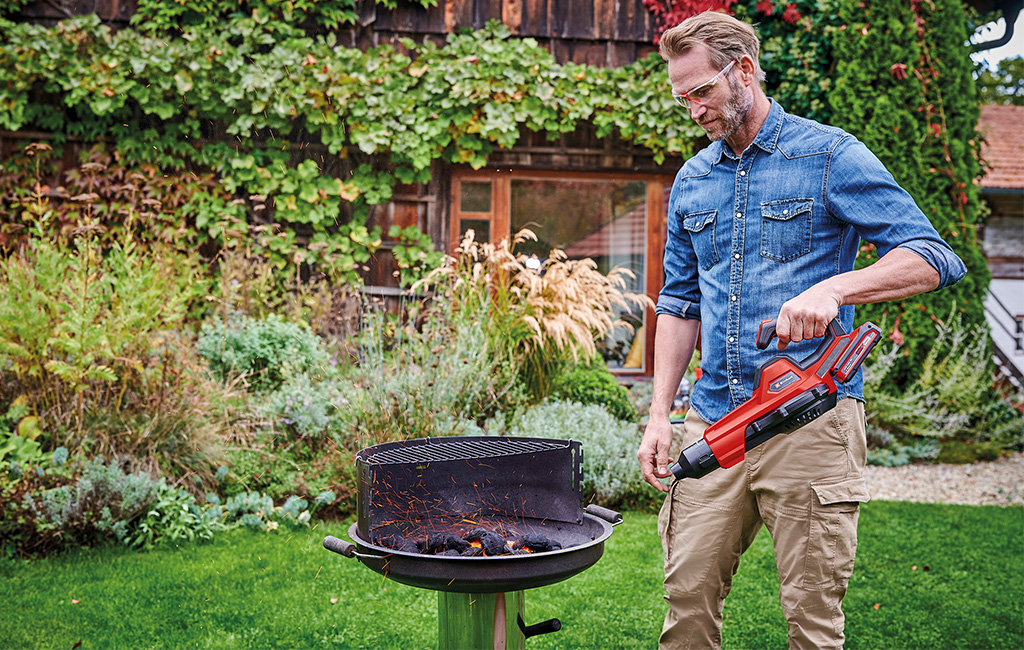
x=958, y=452
x=430, y=381
x=953, y=395
x=102, y=501
x=593, y=383
x=610, y=469
x=896, y=454
x=306, y=408
x=55, y=507
x=264, y=352
x=83, y=328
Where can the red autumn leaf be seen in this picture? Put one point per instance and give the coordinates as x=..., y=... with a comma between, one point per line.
x=898, y=70
x=310, y=60
x=896, y=336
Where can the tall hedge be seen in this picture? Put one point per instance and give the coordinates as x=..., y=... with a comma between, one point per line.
x=904, y=87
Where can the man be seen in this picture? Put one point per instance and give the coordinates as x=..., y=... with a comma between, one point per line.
x=765, y=223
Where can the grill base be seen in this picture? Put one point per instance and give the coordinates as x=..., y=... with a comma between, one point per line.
x=480, y=621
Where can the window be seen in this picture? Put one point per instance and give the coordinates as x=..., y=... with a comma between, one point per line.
x=616, y=220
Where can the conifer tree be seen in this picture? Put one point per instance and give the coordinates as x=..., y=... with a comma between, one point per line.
x=904, y=87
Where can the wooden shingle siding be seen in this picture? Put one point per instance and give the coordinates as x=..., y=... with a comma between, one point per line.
x=607, y=33
x=115, y=13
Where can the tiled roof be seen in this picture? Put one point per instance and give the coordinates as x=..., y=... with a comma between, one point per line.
x=1003, y=149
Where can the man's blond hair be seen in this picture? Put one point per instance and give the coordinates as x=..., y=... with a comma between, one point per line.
x=725, y=37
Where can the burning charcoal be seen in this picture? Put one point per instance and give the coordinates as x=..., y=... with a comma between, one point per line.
x=435, y=544
x=492, y=543
x=407, y=545
x=456, y=543
x=537, y=543
x=520, y=551
x=472, y=551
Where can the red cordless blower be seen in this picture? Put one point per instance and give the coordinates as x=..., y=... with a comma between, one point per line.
x=788, y=394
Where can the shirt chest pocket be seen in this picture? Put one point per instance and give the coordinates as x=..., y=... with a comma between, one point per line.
x=701, y=228
x=786, y=229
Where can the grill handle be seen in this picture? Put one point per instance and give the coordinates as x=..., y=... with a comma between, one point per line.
x=610, y=516
x=339, y=546
x=551, y=625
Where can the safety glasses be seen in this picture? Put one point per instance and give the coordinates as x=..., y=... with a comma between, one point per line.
x=699, y=94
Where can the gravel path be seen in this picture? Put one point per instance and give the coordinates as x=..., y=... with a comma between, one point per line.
x=999, y=482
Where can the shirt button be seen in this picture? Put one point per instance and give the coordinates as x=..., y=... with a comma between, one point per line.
x=739, y=215
x=737, y=256
x=785, y=212
x=732, y=298
x=743, y=173
x=735, y=381
x=732, y=339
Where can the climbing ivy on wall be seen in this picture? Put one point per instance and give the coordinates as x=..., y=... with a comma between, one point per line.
x=904, y=87
x=311, y=132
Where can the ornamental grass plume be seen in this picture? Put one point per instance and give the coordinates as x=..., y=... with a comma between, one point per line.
x=546, y=315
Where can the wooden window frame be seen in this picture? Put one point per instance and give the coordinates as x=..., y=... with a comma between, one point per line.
x=500, y=215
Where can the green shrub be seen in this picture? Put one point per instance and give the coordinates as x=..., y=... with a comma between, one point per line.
x=305, y=408
x=952, y=395
x=265, y=352
x=896, y=454
x=101, y=502
x=432, y=381
x=79, y=321
x=49, y=508
x=610, y=469
x=958, y=452
x=593, y=383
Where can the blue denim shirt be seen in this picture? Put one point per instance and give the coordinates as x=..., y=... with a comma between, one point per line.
x=747, y=234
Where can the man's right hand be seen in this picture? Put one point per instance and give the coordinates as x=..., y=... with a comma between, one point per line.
x=653, y=452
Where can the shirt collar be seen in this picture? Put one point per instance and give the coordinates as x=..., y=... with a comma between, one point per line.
x=768, y=137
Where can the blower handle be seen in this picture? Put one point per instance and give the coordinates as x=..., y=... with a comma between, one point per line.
x=766, y=332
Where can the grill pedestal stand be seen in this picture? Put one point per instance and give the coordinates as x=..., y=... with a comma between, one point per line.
x=485, y=621
x=480, y=621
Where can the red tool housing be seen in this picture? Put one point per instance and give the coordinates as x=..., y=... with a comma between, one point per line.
x=788, y=394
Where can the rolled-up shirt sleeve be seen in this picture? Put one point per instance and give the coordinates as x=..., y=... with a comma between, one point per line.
x=942, y=258
x=680, y=294
x=862, y=192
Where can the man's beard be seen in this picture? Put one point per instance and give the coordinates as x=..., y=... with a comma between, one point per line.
x=733, y=114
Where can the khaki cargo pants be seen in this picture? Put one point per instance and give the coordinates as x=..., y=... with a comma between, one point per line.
x=805, y=487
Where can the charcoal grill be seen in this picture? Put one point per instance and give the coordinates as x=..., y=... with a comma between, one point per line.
x=415, y=487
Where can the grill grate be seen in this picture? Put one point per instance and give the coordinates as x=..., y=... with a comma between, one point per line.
x=470, y=449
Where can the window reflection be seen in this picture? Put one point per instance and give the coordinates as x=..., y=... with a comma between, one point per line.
x=475, y=196
x=605, y=220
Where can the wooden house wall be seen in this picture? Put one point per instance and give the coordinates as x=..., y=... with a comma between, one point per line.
x=607, y=33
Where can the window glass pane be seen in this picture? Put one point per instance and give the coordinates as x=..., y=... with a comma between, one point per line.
x=481, y=229
x=605, y=220
x=475, y=196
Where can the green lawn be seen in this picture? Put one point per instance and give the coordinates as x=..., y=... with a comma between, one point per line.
x=275, y=591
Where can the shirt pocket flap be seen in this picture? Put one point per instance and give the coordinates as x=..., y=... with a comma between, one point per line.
x=850, y=490
x=697, y=221
x=786, y=210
